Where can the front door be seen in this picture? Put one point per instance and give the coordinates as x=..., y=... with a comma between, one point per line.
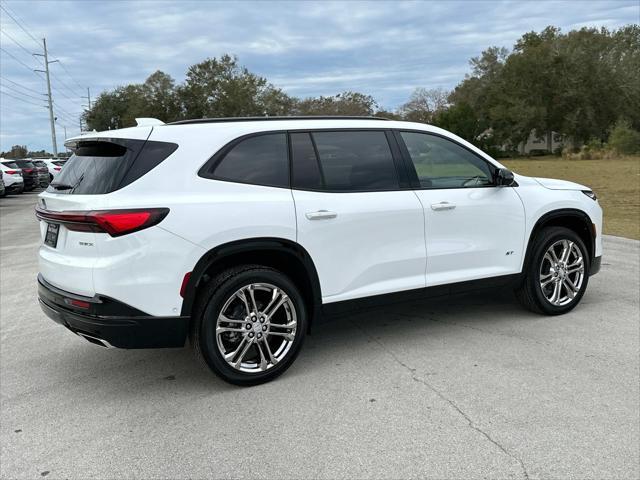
x=474, y=229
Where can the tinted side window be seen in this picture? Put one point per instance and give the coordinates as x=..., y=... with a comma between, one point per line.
x=306, y=169
x=356, y=161
x=261, y=160
x=441, y=163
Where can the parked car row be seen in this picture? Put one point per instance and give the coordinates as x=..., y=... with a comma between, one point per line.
x=26, y=174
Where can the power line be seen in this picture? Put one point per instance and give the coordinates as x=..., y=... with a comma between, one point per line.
x=54, y=58
x=21, y=99
x=20, y=62
x=17, y=43
x=19, y=84
x=19, y=24
x=70, y=115
x=63, y=94
x=65, y=69
x=18, y=91
x=61, y=82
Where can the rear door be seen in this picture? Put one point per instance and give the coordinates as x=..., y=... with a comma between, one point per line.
x=474, y=229
x=363, y=230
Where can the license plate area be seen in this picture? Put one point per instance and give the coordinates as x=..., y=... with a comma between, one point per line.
x=51, y=237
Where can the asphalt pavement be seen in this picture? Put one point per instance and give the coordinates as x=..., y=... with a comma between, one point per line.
x=472, y=387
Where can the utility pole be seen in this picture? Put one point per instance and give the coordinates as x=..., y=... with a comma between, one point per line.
x=52, y=119
x=89, y=97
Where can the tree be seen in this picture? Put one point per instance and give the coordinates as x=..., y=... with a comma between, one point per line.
x=222, y=88
x=576, y=84
x=117, y=109
x=159, y=97
x=17, y=151
x=346, y=103
x=424, y=104
x=461, y=120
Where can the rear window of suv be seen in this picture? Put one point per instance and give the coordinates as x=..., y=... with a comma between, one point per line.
x=99, y=167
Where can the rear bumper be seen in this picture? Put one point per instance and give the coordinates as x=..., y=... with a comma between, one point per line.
x=109, y=322
x=14, y=188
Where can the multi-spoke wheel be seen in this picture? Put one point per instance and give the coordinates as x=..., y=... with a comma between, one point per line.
x=250, y=324
x=256, y=327
x=561, y=272
x=556, y=273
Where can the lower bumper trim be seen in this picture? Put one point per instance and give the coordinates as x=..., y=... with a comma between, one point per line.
x=123, y=332
x=595, y=265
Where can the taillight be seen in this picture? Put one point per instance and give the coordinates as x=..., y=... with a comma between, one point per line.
x=11, y=172
x=113, y=222
x=27, y=170
x=57, y=169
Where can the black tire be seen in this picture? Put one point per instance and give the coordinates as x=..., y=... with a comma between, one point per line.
x=529, y=292
x=208, y=307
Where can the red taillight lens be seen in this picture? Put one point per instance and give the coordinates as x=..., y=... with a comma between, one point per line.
x=11, y=172
x=185, y=282
x=113, y=222
x=57, y=169
x=118, y=223
x=27, y=170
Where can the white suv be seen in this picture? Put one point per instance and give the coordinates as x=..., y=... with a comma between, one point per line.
x=241, y=233
x=12, y=176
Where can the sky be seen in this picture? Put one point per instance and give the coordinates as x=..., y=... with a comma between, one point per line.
x=384, y=49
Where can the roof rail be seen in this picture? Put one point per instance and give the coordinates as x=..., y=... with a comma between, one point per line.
x=271, y=119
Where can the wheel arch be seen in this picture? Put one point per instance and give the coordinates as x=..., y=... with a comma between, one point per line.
x=571, y=218
x=284, y=255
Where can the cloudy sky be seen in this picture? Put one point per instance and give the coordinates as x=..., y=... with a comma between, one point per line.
x=384, y=49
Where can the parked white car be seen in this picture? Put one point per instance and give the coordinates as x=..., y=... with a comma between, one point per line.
x=54, y=165
x=12, y=176
x=242, y=233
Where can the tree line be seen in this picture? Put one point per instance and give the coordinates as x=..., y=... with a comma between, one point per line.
x=583, y=85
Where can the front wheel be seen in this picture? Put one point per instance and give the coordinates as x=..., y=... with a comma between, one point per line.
x=557, y=272
x=249, y=325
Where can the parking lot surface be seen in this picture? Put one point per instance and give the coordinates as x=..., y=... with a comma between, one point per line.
x=470, y=387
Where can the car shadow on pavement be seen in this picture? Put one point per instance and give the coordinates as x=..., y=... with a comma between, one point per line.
x=149, y=371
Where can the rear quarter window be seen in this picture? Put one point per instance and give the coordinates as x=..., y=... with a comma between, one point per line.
x=260, y=159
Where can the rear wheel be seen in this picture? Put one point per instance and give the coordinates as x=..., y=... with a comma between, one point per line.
x=556, y=276
x=249, y=325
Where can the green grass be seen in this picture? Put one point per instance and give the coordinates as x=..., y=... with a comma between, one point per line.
x=615, y=181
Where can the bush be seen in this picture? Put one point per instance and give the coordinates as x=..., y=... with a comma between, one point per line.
x=624, y=139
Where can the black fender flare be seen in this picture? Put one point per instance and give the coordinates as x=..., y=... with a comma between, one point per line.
x=564, y=213
x=292, y=249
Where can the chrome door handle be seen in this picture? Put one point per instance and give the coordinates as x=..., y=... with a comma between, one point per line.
x=320, y=215
x=443, y=206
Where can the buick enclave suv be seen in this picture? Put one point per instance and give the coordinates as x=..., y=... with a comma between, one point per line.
x=239, y=234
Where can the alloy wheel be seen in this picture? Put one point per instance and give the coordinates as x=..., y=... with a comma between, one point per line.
x=562, y=272
x=256, y=327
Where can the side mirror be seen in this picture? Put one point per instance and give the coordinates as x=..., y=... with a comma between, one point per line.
x=504, y=177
